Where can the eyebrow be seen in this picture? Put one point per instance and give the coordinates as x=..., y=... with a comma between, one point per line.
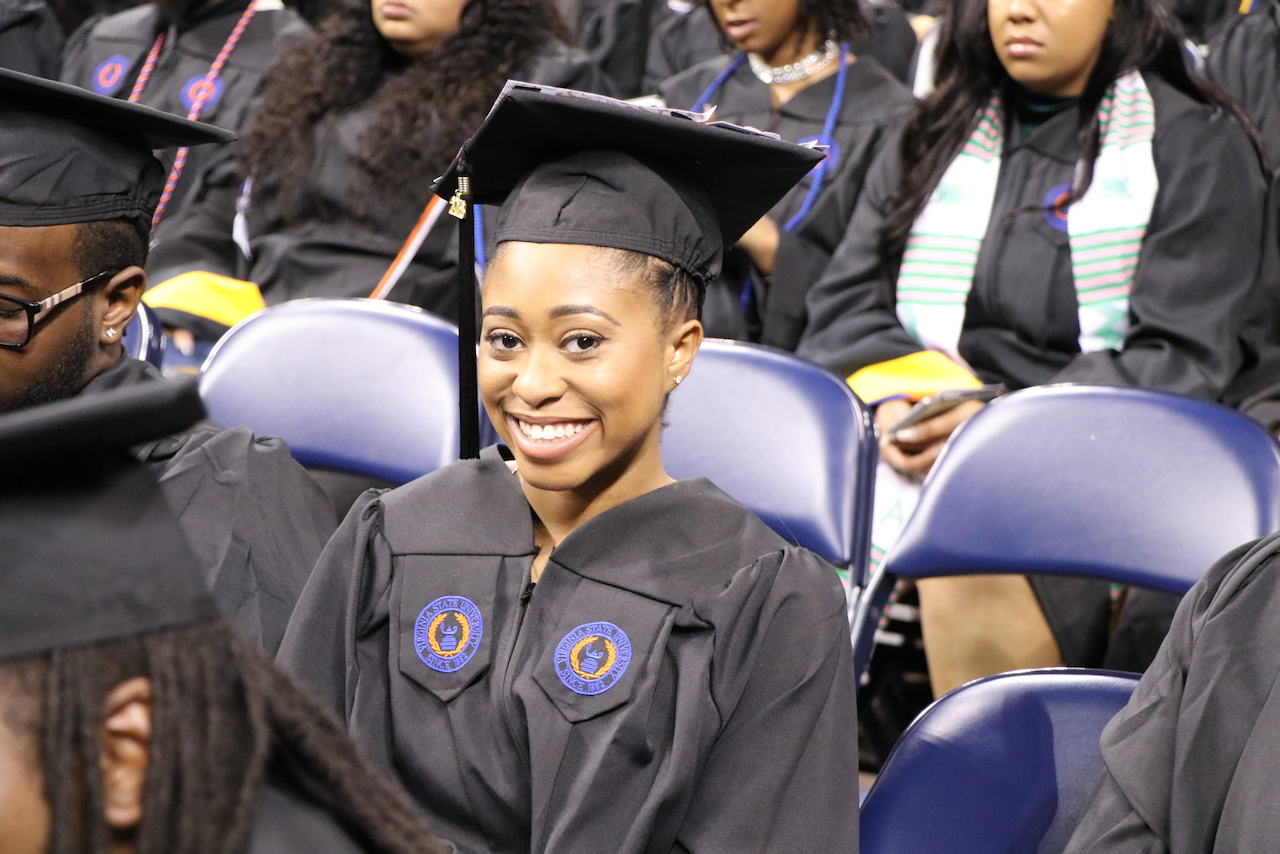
x=8, y=280
x=557, y=312
x=567, y=310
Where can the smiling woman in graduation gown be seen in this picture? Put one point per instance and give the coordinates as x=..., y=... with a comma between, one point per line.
x=582, y=654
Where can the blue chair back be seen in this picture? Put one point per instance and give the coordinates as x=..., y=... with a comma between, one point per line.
x=363, y=386
x=1128, y=485
x=143, y=337
x=1003, y=765
x=786, y=438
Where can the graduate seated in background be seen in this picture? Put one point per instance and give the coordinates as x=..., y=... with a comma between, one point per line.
x=556, y=647
x=356, y=123
x=1069, y=205
x=1189, y=762
x=689, y=38
x=78, y=185
x=132, y=718
x=1245, y=60
x=793, y=73
x=200, y=59
x=30, y=38
x=615, y=34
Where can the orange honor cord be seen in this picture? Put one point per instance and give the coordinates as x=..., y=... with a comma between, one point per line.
x=409, y=250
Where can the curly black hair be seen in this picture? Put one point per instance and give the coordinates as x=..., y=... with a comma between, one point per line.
x=426, y=105
x=224, y=721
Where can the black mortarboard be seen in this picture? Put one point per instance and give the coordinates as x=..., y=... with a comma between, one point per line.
x=89, y=549
x=68, y=155
x=568, y=167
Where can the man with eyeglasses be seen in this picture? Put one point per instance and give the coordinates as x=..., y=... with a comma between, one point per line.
x=78, y=187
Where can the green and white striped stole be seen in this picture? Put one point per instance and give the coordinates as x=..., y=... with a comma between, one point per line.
x=1105, y=227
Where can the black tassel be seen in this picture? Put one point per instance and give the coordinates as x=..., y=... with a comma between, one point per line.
x=461, y=207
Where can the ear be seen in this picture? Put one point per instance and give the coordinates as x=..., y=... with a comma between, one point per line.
x=683, y=344
x=125, y=738
x=118, y=302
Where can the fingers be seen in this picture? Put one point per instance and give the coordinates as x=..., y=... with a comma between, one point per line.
x=913, y=450
x=938, y=428
x=183, y=340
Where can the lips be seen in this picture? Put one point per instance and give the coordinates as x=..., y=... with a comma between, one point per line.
x=393, y=11
x=547, y=440
x=1022, y=47
x=740, y=30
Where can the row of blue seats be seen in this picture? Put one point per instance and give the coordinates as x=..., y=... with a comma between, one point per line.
x=1128, y=485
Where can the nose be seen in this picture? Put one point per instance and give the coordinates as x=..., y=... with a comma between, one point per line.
x=1022, y=11
x=539, y=378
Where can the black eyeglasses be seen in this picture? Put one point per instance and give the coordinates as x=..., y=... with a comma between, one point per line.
x=18, y=316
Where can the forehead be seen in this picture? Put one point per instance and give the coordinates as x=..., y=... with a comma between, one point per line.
x=534, y=278
x=41, y=255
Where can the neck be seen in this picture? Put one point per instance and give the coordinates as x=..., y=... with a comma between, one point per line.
x=792, y=48
x=562, y=511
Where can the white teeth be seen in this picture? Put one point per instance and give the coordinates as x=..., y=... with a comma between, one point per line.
x=549, y=432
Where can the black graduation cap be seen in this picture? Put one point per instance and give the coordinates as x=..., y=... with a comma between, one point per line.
x=570, y=167
x=68, y=155
x=89, y=550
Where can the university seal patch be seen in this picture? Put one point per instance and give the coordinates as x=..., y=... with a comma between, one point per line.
x=1054, y=213
x=447, y=633
x=197, y=86
x=592, y=658
x=109, y=74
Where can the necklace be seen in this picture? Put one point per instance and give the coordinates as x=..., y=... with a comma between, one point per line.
x=800, y=69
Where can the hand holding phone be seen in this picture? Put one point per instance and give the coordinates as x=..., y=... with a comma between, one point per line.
x=945, y=401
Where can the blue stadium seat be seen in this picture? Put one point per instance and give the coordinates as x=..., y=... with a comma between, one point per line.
x=361, y=386
x=786, y=438
x=1128, y=485
x=1003, y=765
x=143, y=338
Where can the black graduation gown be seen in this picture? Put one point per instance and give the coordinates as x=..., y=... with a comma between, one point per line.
x=253, y=517
x=1206, y=249
x=718, y=715
x=285, y=823
x=683, y=41
x=1245, y=60
x=615, y=33
x=30, y=38
x=1190, y=763
x=344, y=250
x=1205, y=246
x=874, y=103
x=106, y=54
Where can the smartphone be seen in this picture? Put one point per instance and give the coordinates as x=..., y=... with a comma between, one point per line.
x=945, y=401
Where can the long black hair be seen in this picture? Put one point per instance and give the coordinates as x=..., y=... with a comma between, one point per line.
x=426, y=105
x=1141, y=35
x=224, y=720
x=839, y=20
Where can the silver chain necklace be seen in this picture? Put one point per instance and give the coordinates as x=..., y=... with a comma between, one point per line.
x=804, y=67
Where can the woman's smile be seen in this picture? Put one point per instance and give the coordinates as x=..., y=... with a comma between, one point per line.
x=547, y=439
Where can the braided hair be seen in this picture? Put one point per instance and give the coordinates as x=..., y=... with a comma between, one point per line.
x=426, y=106
x=224, y=719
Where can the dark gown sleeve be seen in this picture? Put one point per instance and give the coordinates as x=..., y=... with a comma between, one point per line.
x=851, y=320
x=201, y=237
x=805, y=253
x=337, y=639
x=255, y=519
x=1199, y=267
x=31, y=39
x=1189, y=761
x=782, y=775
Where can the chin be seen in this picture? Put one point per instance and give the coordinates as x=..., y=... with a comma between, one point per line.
x=554, y=477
